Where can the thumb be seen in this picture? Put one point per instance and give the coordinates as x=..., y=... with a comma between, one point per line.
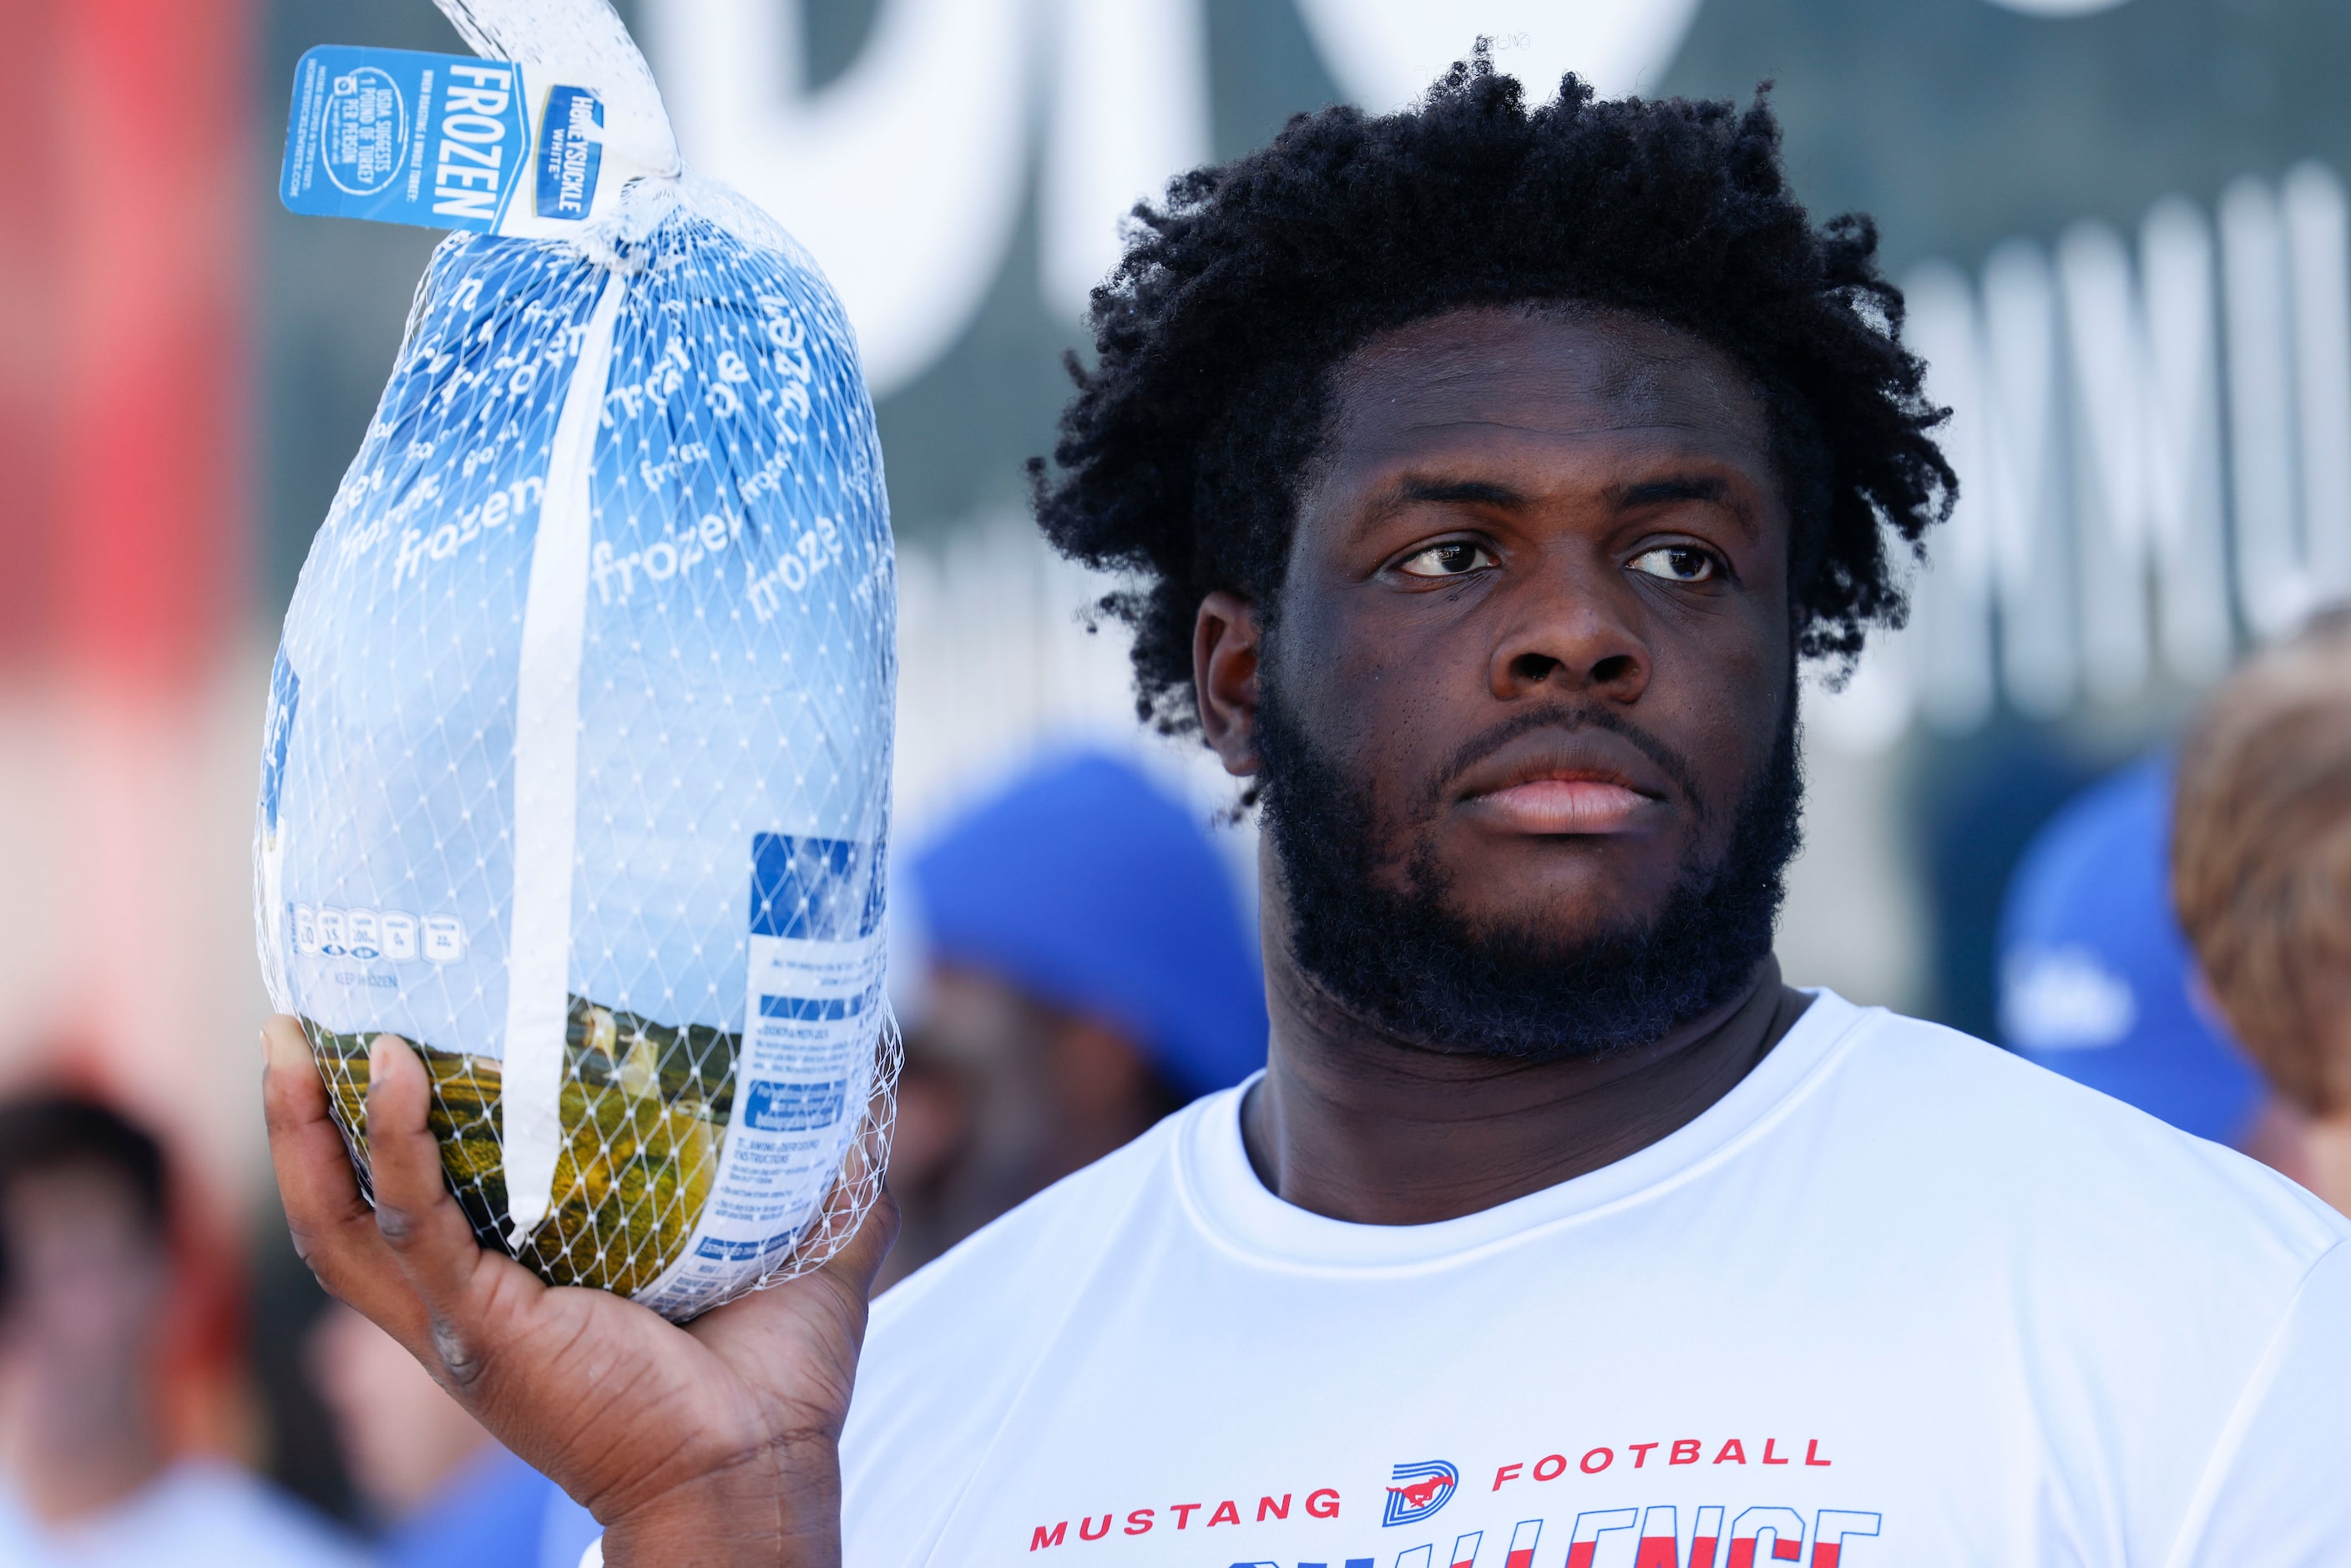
x=853, y=1267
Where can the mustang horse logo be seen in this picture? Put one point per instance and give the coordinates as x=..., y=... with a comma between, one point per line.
x=1419, y=1490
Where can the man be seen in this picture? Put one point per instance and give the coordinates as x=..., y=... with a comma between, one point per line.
x=1487, y=473
x=85, y=1281
x=2095, y=978
x=1080, y=971
x=2261, y=872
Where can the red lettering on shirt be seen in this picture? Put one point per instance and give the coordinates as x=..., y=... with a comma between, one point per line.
x=1323, y=1503
x=1733, y=1452
x=1767, y=1452
x=1607, y=1458
x=1589, y=1526
x=1557, y=1464
x=1785, y=1526
x=1039, y=1537
x=1508, y=1472
x=1640, y=1452
x=1704, y=1535
x=1225, y=1514
x=1139, y=1522
x=1660, y=1537
x=1086, y=1531
x=1184, y=1513
x=1685, y=1452
x=1830, y=1530
x=1811, y=1450
x=1266, y=1505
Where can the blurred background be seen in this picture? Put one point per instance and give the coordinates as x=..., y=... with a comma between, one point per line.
x=2121, y=224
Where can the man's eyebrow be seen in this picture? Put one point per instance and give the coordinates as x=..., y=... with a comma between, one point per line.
x=1707, y=487
x=1679, y=488
x=1481, y=492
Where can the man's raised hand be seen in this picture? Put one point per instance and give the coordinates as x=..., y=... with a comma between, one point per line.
x=715, y=1443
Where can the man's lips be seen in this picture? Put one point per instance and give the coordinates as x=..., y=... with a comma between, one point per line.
x=1564, y=806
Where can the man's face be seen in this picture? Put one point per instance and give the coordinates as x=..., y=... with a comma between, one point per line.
x=88, y=1283
x=1531, y=670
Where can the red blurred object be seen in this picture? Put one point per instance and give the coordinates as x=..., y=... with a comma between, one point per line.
x=126, y=168
x=30, y=269
x=125, y=159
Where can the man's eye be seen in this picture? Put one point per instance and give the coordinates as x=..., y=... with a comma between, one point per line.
x=1451, y=559
x=1676, y=563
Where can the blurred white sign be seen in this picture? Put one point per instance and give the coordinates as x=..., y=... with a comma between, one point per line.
x=2154, y=453
x=2153, y=438
x=906, y=177
x=903, y=178
x=1386, y=52
x=2058, y=8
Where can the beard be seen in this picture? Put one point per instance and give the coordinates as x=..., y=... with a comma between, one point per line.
x=1405, y=961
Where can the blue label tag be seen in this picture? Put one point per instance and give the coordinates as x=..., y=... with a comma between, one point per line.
x=570, y=152
x=814, y=890
x=403, y=137
x=794, y=1107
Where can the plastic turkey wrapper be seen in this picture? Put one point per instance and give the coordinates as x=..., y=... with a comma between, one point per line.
x=577, y=756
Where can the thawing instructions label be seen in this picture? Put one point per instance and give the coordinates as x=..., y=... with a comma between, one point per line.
x=804, y=1068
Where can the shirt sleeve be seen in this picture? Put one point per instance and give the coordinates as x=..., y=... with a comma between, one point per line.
x=2278, y=1492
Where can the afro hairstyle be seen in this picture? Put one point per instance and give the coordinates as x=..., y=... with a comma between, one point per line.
x=1181, y=458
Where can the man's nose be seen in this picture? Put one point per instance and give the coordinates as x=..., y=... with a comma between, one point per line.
x=1567, y=629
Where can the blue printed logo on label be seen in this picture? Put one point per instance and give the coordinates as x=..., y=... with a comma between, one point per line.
x=743, y=1251
x=811, y=889
x=794, y=1107
x=570, y=152
x=405, y=137
x=363, y=133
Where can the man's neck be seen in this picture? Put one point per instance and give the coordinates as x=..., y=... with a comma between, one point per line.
x=1355, y=1125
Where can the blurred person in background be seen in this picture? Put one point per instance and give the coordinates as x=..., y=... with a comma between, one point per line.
x=2097, y=982
x=86, y=1279
x=443, y=1491
x=2261, y=875
x=1080, y=968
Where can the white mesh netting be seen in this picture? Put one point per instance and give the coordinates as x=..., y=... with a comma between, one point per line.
x=577, y=761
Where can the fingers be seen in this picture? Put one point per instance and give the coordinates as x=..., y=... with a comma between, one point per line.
x=421, y=1223
x=333, y=1227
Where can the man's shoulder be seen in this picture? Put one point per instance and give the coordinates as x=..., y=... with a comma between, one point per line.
x=1946, y=1116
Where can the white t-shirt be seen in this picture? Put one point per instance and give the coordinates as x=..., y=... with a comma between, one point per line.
x=1897, y=1297
x=200, y=1513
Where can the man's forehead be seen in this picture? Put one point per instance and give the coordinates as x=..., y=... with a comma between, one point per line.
x=1522, y=375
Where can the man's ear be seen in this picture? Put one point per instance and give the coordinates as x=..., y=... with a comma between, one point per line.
x=1224, y=677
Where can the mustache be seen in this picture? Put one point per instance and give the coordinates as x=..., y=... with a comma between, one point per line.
x=1561, y=716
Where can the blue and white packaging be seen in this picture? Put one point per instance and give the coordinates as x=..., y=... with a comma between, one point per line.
x=576, y=767
x=447, y=141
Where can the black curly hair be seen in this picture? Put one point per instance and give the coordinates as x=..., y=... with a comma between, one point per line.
x=1180, y=457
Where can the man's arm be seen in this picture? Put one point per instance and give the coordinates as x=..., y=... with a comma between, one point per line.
x=715, y=1443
